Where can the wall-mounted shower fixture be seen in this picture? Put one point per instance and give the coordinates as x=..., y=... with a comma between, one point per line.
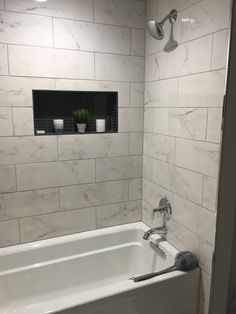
x=155, y=29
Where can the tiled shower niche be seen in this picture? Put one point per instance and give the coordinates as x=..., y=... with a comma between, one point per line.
x=50, y=105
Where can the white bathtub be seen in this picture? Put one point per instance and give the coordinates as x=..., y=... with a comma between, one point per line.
x=89, y=273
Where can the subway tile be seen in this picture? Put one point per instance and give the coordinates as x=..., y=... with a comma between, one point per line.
x=220, y=49
x=77, y=35
x=187, y=123
x=197, y=156
x=137, y=42
x=92, y=146
x=189, y=58
x=3, y=60
x=130, y=13
x=159, y=147
x=94, y=194
x=209, y=198
x=161, y=93
x=119, y=68
x=116, y=214
x=147, y=167
x=56, y=224
x=130, y=120
x=121, y=87
x=30, y=203
x=25, y=29
x=17, y=150
x=23, y=123
x=183, y=182
x=1, y=4
x=205, y=255
x=194, y=217
x=17, y=91
x=203, y=18
x=182, y=238
x=137, y=95
x=151, y=70
x=53, y=174
x=7, y=179
x=147, y=214
x=205, y=286
x=135, y=189
x=47, y=62
x=214, y=122
x=6, y=121
x=136, y=143
x=73, y=9
x=202, y=90
x=9, y=233
x=117, y=168
x=153, y=193
x=148, y=119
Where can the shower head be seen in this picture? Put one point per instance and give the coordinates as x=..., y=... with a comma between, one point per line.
x=155, y=29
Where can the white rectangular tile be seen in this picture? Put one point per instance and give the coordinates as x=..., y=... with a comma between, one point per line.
x=56, y=224
x=23, y=121
x=77, y=35
x=16, y=150
x=1, y=4
x=197, y=156
x=7, y=179
x=53, y=174
x=209, y=198
x=116, y=214
x=183, y=182
x=74, y=9
x=214, y=122
x=54, y=63
x=194, y=217
x=23, y=204
x=119, y=68
x=17, y=91
x=205, y=286
x=3, y=60
x=130, y=120
x=148, y=119
x=117, y=168
x=137, y=42
x=25, y=29
x=147, y=168
x=202, y=90
x=136, y=143
x=189, y=58
x=84, y=85
x=188, y=123
x=94, y=194
x=135, y=189
x=130, y=13
x=159, y=147
x=6, y=121
x=203, y=18
x=92, y=146
x=9, y=233
x=162, y=93
x=220, y=49
x=205, y=255
x=137, y=95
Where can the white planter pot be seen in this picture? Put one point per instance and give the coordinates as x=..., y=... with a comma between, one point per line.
x=81, y=127
x=100, y=125
x=58, y=125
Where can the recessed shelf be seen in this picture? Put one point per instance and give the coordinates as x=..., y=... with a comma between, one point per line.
x=49, y=105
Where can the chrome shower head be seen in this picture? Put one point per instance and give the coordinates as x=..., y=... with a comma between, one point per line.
x=155, y=29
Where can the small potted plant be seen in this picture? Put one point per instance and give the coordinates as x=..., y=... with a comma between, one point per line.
x=81, y=117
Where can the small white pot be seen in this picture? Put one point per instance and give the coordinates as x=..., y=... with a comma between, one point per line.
x=100, y=125
x=58, y=125
x=81, y=127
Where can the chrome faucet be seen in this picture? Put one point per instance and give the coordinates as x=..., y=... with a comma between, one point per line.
x=165, y=210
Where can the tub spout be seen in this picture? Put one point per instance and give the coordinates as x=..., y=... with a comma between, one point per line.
x=162, y=231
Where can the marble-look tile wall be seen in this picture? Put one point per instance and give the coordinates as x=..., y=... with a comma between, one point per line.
x=56, y=185
x=184, y=88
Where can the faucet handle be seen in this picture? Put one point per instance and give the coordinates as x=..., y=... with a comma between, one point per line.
x=164, y=208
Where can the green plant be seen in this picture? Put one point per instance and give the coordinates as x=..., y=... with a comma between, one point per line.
x=81, y=115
